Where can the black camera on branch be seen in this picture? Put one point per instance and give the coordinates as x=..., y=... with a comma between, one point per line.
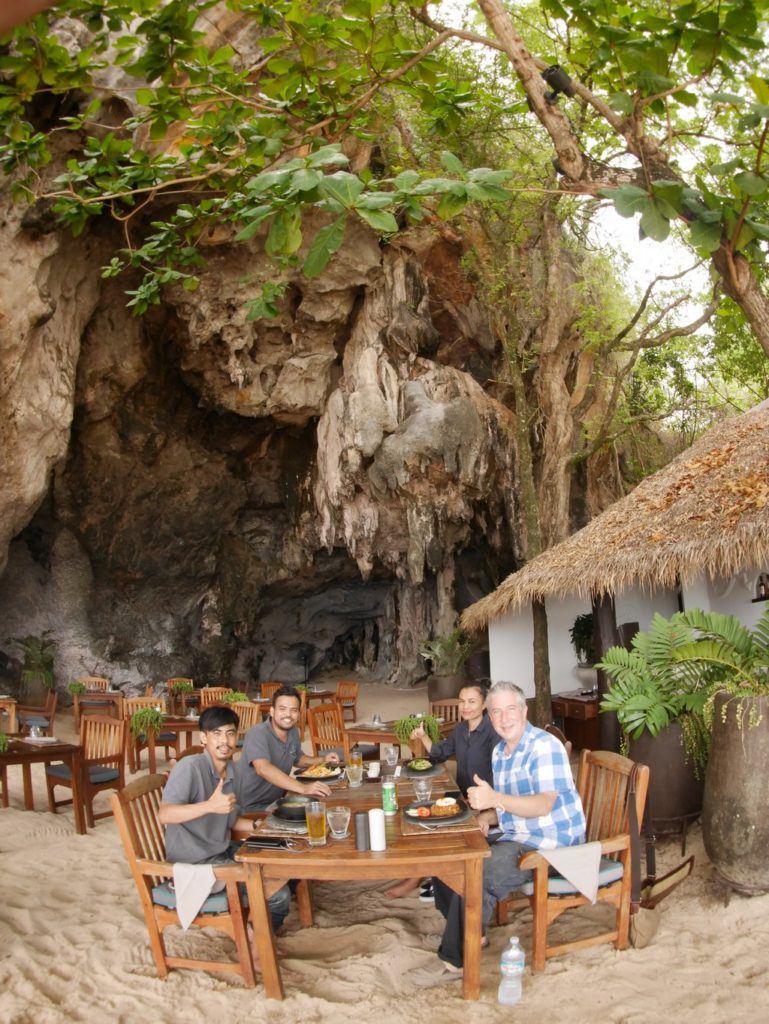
x=558, y=81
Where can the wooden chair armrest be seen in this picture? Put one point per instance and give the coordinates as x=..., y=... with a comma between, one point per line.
x=163, y=869
x=534, y=861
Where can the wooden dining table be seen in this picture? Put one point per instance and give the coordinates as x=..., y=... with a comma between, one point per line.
x=176, y=724
x=367, y=732
x=455, y=855
x=25, y=752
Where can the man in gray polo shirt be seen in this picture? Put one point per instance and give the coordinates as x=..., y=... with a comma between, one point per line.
x=270, y=751
x=198, y=807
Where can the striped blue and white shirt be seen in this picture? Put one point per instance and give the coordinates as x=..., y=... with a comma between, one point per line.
x=539, y=764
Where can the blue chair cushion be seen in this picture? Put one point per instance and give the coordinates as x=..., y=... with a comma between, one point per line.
x=94, y=702
x=39, y=720
x=164, y=896
x=609, y=871
x=96, y=773
x=162, y=737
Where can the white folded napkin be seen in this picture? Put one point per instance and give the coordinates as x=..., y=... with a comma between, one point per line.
x=193, y=884
x=579, y=865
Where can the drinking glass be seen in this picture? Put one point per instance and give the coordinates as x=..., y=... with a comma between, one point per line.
x=423, y=788
x=315, y=813
x=391, y=756
x=338, y=821
x=356, y=757
x=355, y=774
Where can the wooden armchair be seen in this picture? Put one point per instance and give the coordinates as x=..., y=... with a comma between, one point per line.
x=447, y=709
x=327, y=731
x=89, y=701
x=346, y=697
x=136, y=812
x=103, y=739
x=42, y=716
x=177, y=703
x=249, y=715
x=604, y=789
x=267, y=690
x=135, y=744
x=212, y=695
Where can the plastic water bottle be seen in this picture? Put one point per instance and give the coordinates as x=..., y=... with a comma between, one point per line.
x=511, y=965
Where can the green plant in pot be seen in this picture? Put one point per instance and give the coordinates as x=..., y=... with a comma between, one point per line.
x=144, y=721
x=75, y=689
x=3, y=743
x=37, y=668
x=236, y=697
x=649, y=690
x=733, y=662
x=447, y=655
x=581, y=634
x=404, y=727
x=175, y=689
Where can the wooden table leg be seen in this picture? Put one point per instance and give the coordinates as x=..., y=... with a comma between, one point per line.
x=471, y=981
x=76, y=769
x=4, y=784
x=29, y=798
x=264, y=941
x=152, y=753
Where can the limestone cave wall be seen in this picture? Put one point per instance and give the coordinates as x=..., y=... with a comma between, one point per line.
x=194, y=493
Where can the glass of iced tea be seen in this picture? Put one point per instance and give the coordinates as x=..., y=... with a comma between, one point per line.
x=315, y=813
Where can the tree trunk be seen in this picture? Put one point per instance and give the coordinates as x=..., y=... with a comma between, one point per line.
x=543, y=701
x=605, y=635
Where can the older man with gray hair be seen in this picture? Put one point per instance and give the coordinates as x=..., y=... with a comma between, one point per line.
x=533, y=801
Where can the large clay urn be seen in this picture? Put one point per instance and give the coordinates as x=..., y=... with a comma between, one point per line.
x=444, y=687
x=735, y=812
x=675, y=792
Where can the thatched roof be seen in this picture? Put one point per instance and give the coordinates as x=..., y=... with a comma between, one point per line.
x=707, y=511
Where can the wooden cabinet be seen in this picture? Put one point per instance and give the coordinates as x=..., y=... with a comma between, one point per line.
x=579, y=715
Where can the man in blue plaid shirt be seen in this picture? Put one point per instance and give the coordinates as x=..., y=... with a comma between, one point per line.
x=533, y=801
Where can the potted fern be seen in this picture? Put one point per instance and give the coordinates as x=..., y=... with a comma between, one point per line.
x=447, y=655
x=660, y=710
x=37, y=668
x=236, y=697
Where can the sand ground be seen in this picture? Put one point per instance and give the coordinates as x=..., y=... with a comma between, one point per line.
x=73, y=944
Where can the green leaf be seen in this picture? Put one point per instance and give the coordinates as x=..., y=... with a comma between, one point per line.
x=256, y=217
x=628, y=200
x=325, y=243
x=751, y=184
x=343, y=187
x=451, y=164
x=654, y=224
x=621, y=102
x=705, y=236
x=760, y=88
x=762, y=230
x=450, y=205
x=379, y=220
x=305, y=180
x=285, y=234
x=406, y=180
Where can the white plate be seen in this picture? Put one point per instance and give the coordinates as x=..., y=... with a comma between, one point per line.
x=40, y=739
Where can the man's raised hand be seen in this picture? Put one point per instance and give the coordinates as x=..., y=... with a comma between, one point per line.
x=220, y=802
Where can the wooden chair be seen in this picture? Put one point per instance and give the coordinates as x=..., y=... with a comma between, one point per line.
x=136, y=744
x=327, y=731
x=212, y=695
x=249, y=714
x=83, y=702
x=604, y=789
x=447, y=709
x=559, y=735
x=267, y=690
x=346, y=697
x=177, y=703
x=103, y=740
x=42, y=716
x=136, y=812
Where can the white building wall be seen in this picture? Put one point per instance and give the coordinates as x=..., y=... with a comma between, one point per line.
x=511, y=637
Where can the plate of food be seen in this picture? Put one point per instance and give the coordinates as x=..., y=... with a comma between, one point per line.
x=446, y=810
x=422, y=766
x=291, y=807
x=320, y=773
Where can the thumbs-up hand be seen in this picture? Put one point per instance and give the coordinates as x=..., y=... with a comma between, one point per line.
x=220, y=802
x=481, y=796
